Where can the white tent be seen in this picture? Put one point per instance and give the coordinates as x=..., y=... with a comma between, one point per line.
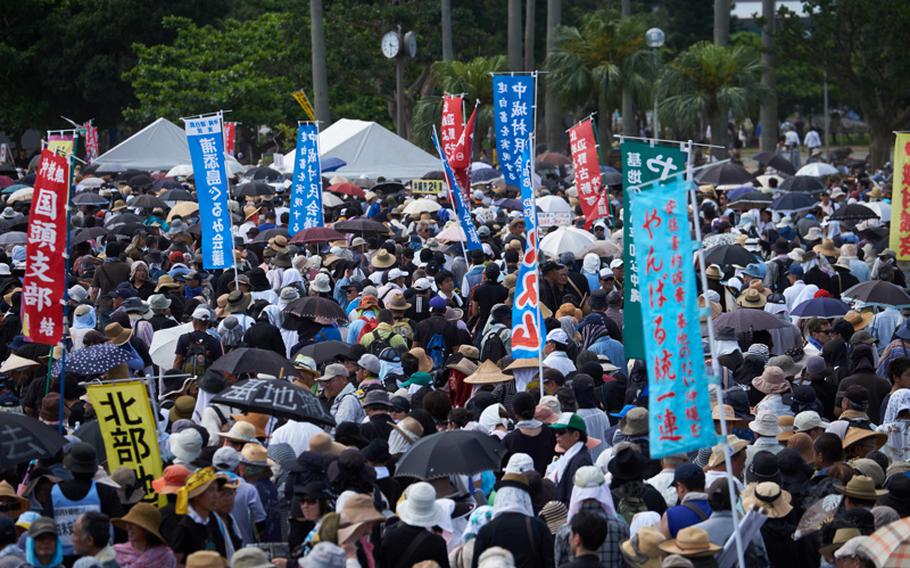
x=370, y=150
x=159, y=146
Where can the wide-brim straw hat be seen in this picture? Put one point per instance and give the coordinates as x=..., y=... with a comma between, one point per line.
x=15, y=362
x=859, y=320
x=841, y=536
x=382, y=259
x=752, y=298
x=769, y=497
x=643, y=549
x=487, y=373
x=523, y=364
x=827, y=248
x=8, y=493
x=690, y=542
x=117, y=334
x=424, y=363
x=145, y=516
x=717, y=452
x=854, y=435
x=860, y=487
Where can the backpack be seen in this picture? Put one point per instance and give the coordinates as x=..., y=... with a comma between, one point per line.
x=378, y=345
x=436, y=349
x=196, y=362
x=403, y=328
x=631, y=500
x=492, y=347
x=781, y=283
x=368, y=327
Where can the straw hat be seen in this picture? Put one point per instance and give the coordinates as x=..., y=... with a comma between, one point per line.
x=145, y=516
x=765, y=424
x=420, y=507
x=487, y=373
x=241, y=431
x=714, y=272
x=116, y=334
x=205, y=559
x=396, y=301
x=769, y=497
x=424, y=363
x=523, y=364
x=860, y=487
x=555, y=514
x=255, y=454
x=729, y=415
x=643, y=549
x=322, y=443
x=773, y=380
x=382, y=259
x=841, y=536
x=859, y=320
x=752, y=298
x=717, y=452
x=827, y=248
x=15, y=362
x=357, y=512
x=7, y=493
x=249, y=211
x=119, y=205
x=257, y=419
x=785, y=421
x=690, y=541
x=854, y=435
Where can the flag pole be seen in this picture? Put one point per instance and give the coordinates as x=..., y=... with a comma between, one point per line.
x=532, y=152
x=227, y=179
x=453, y=187
x=715, y=364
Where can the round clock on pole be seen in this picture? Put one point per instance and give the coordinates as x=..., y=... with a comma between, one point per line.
x=391, y=44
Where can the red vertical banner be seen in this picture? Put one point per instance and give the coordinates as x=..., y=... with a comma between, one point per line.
x=45, y=265
x=452, y=124
x=588, y=181
x=460, y=159
x=91, y=142
x=230, y=135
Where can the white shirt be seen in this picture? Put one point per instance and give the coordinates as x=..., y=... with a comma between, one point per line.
x=712, y=476
x=295, y=434
x=791, y=138
x=812, y=140
x=560, y=361
x=663, y=482
x=792, y=292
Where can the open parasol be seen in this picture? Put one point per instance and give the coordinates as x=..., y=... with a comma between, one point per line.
x=455, y=452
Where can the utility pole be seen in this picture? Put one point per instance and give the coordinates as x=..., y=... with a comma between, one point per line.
x=530, y=9
x=514, y=33
x=448, y=45
x=722, y=22
x=768, y=109
x=628, y=101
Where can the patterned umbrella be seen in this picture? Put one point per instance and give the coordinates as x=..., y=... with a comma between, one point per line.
x=277, y=398
x=889, y=546
x=22, y=438
x=93, y=360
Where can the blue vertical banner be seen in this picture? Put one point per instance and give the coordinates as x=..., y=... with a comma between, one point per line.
x=206, y=141
x=513, y=116
x=678, y=402
x=306, y=187
x=472, y=241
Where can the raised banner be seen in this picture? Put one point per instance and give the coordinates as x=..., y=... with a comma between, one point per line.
x=642, y=162
x=588, y=181
x=460, y=160
x=45, y=251
x=452, y=123
x=91, y=142
x=306, y=187
x=513, y=117
x=899, y=241
x=678, y=401
x=60, y=141
x=304, y=102
x=461, y=208
x=206, y=141
x=230, y=137
x=128, y=430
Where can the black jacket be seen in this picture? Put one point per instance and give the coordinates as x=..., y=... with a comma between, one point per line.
x=527, y=538
x=405, y=545
x=567, y=481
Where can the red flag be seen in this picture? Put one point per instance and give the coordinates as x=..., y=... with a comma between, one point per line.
x=452, y=123
x=91, y=142
x=230, y=134
x=45, y=263
x=461, y=155
x=588, y=181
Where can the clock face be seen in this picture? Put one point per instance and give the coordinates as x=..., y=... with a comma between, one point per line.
x=411, y=39
x=391, y=45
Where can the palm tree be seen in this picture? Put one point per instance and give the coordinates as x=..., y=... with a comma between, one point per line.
x=707, y=80
x=320, y=76
x=592, y=66
x=474, y=79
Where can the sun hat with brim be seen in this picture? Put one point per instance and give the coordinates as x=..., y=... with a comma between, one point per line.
x=250, y=557
x=238, y=302
x=555, y=514
x=131, y=489
x=196, y=485
x=786, y=364
x=172, y=479
x=785, y=421
x=143, y=515
x=717, y=452
x=752, y=298
x=241, y=431
x=257, y=419
x=841, y=536
x=690, y=541
x=322, y=443
x=859, y=320
x=765, y=424
x=15, y=362
x=860, y=487
x=569, y=420
x=643, y=549
x=460, y=363
x=205, y=559
x=854, y=435
x=420, y=507
x=827, y=248
x=635, y=422
x=424, y=363
x=769, y=497
x=116, y=334
x=382, y=259
x=773, y=380
x=7, y=493
x=358, y=510
x=182, y=409
x=522, y=364
x=487, y=373
x=869, y=468
x=728, y=414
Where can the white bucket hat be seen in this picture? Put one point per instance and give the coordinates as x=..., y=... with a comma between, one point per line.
x=186, y=445
x=420, y=507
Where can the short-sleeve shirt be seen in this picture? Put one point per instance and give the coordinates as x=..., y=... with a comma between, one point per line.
x=212, y=346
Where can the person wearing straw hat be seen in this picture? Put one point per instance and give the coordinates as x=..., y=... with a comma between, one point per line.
x=858, y=442
x=859, y=492
x=11, y=504
x=642, y=550
x=358, y=517
x=199, y=527
x=412, y=539
x=716, y=468
x=692, y=543
x=719, y=525
x=766, y=427
x=776, y=532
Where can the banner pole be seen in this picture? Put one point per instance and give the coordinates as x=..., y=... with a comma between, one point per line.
x=542, y=327
x=227, y=179
x=452, y=190
x=715, y=364
x=66, y=277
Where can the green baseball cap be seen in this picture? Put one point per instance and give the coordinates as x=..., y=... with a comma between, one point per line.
x=570, y=420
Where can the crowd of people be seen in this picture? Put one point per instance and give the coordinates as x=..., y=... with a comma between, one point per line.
x=817, y=408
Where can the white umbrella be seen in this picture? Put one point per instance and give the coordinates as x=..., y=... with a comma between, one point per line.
x=233, y=166
x=765, y=179
x=164, y=344
x=24, y=194
x=553, y=204
x=180, y=170
x=883, y=209
x=329, y=199
x=452, y=234
x=817, y=169
x=479, y=166
x=92, y=182
x=568, y=239
x=422, y=205
x=607, y=248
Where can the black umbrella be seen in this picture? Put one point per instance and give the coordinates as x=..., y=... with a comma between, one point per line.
x=89, y=198
x=277, y=398
x=316, y=307
x=794, y=201
x=252, y=360
x=726, y=255
x=724, y=174
x=776, y=161
x=147, y=202
x=263, y=173
x=612, y=178
x=129, y=229
x=802, y=183
x=387, y=187
x=853, y=212
x=511, y=204
x=455, y=452
x=177, y=195
x=13, y=238
x=744, y=320
x=88, y=234
x=878, y=292
x=165, y=184
x=325, y=351
x=141, y=181
x=122, y=218
x=267, y=234
x=22, y=439
x=752, y=200
x=93, y=360
x=361, y=225
x=255, y=189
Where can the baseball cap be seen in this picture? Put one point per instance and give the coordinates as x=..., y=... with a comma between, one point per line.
x=688, y=473
x=422, y=284
x=202, y=313
x=569, y=420
x=396, y=273
x=334, y=370
x=616, y=263
x=606, y=273
x=795, y=270
x=558, y=336
x=226, y=458
x=438, y=304
x=306, y=363
x=369, y=362
x=755, y=270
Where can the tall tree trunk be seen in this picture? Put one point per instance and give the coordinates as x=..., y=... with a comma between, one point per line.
x=722, y=22
x=717, y=118
x=514, y=33
x=768, y=117
x=628, y=101
x=553, y=110
x=530, y=9
x=881, y=138
x=448, y=46
x=320, y=77
x=604, y=131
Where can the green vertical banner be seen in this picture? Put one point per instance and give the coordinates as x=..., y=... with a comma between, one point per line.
x=642, y=162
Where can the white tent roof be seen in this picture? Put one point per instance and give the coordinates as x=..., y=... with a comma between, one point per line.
x=370, y=150
x=159, y=146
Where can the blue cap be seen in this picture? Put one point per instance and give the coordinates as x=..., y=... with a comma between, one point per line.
x=622, y=413
x=795, y=270
x=687, y=473
x=437, y=303
x=755, y=270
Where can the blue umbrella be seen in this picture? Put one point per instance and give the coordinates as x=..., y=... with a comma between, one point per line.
x=796, y=201
x=608, y=169
x=510, y=204
x=10, y=189
x=485, y=174
x=820, y=308
x=737, y=192
x=331, y=164
x=93, y=360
